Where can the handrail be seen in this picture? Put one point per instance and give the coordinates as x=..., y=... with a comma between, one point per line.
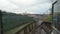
x=34, y=30
x=17, y=29
x=56, y=29
x=29, y=26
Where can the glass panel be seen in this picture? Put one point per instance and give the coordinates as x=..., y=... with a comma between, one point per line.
x=53, y=1
x=56, y=16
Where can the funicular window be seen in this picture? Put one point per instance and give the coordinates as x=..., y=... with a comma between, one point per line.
x=56, y=15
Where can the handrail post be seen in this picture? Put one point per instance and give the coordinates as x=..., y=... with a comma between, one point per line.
x=25, y=30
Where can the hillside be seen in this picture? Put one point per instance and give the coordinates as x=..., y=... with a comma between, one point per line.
x=11, y=20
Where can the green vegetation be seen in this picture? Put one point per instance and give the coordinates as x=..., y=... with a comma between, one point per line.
x=48, y=18
x=12, y=20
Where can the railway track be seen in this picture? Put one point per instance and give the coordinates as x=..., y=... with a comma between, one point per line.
x=47, y=28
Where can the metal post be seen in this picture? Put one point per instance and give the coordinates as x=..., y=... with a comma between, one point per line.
x=1, y=30
x=53, y=13
x=53, y=9
x=25, y=30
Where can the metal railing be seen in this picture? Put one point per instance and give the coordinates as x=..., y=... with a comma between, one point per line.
x=55, y=31
x=27, y=29
x=24, y=29
x=31, y=28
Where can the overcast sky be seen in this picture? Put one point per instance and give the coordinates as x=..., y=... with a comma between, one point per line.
x=29, y=6
x=57, y=6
